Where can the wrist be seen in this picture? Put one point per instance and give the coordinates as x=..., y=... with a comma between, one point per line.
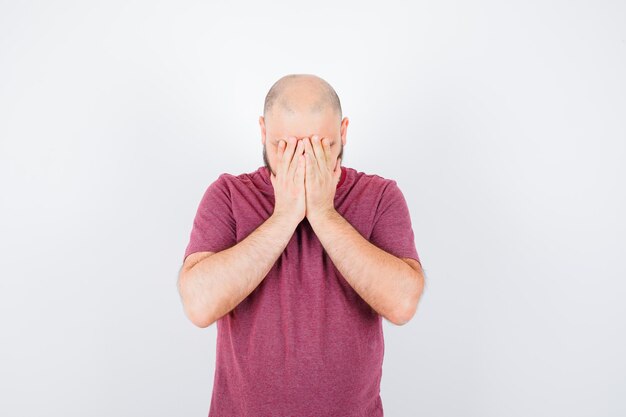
x=321, y=216
x=286, y=220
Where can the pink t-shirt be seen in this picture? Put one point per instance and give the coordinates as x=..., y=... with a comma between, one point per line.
x=303, y=343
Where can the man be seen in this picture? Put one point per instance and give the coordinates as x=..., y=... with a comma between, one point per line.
x=297, y=262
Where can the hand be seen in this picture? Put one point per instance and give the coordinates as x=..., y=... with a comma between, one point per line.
x=288, y=182
x=322, y=176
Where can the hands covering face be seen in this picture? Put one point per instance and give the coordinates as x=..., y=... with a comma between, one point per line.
x=306, y=177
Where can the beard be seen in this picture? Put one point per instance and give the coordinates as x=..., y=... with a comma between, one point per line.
x=267, y=162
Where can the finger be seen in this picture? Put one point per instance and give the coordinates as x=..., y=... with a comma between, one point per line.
x=296, y=159
x=281, y=149
x=310, y=161
x=299, y=176
x=319, y=153
x=286, y=160
x=326, y=148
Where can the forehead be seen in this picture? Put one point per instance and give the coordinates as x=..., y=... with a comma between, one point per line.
x=301, y=125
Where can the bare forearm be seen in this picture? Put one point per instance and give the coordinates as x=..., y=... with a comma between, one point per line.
x=218, y=283
x=387, y=283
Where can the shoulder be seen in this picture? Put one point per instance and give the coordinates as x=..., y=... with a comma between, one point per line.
x=235, y=184
x=219, y=188
x=227, y=180
x=373, y=182
x=226, y=177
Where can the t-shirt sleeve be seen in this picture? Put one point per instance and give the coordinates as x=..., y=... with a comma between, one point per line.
x=214, y=225
x=392, y=230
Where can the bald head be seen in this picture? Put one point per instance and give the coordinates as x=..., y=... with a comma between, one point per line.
x=301, y=93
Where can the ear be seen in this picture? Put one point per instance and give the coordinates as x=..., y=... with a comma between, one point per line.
x=344, y=130
x=262, y=125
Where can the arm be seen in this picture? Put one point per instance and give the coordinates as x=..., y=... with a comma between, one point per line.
x=220, y=280
x=390, y=285
x=217, y=283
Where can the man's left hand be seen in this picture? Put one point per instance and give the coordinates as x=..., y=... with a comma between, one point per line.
x=322, y=175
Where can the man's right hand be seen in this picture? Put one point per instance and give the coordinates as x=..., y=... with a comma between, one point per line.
x=288, y=183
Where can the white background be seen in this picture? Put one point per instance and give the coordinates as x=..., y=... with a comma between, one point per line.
x=503, y=123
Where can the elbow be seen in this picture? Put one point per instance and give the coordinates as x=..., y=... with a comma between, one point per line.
x=403, y=317
x=201, y=320
x=198, y=315
x=406, y=311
